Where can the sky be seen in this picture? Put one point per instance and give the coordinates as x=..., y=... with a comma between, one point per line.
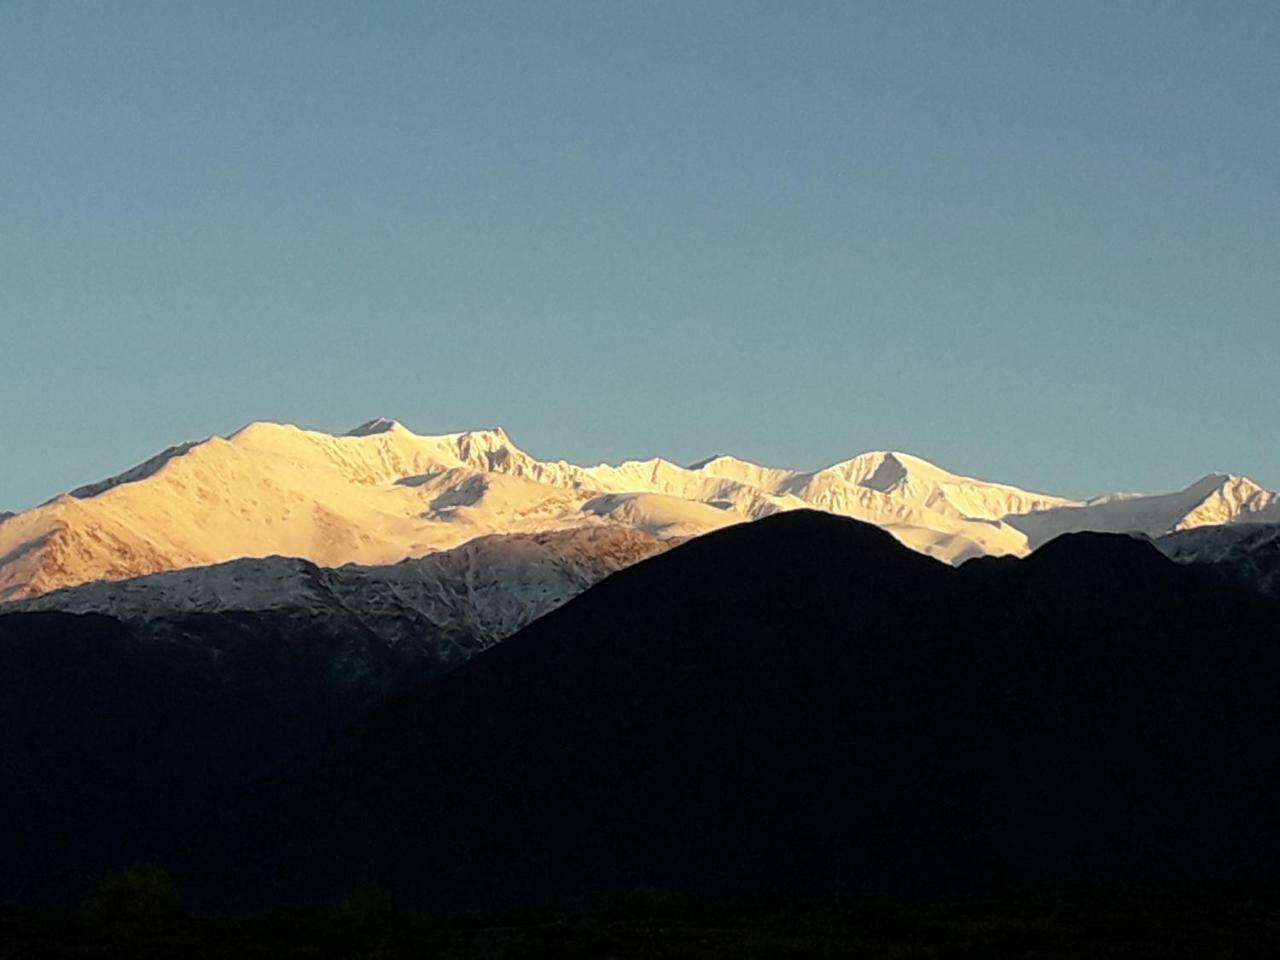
x=1034, y=242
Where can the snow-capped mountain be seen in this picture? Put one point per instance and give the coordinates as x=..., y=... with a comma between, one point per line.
x=431, y=613
x=376, y=496
x=1213, y=500
x=943, y=514
x=380, y=494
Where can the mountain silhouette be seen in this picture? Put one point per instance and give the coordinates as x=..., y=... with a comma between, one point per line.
x=801, y=706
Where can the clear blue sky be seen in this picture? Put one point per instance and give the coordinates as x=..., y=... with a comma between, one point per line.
x=1039, y=242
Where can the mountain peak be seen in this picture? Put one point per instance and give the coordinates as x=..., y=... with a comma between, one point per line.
x=258, y=429
x=707, y=461
x=870, y=461
x=1232, y=487
x=1099, y=556
x=1220, y=481
x=1211, y=481
x=375, y=426
x=887, y=470
x=1226, y=498
x=493, y=437
x=890, y=471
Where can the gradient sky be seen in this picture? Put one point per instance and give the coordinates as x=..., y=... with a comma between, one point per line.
x=1036, y=242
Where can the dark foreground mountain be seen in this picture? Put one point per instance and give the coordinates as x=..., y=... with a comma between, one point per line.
x=801, y=706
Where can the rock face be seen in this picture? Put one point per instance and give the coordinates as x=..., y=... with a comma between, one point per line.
x=381, y=494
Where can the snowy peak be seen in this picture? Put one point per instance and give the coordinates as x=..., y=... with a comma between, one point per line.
x=767, y=479
x=1226, y=498
x=1218, y=498
x=1239, y=488
x=376, y=425
x=380, y=452
x=916, y=480
x=883, y=471
x=491, y=450
x=707, y=461
x=1209, y=483
x=888, y=475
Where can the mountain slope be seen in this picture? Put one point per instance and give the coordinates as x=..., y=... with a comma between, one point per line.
x=790, y=719
x=484, y=590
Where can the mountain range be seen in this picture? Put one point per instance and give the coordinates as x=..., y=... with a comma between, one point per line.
x=215, y=617
x=381, y=494
x=432, y=611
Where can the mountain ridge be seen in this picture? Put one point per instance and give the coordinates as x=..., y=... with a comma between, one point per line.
x=381, y=493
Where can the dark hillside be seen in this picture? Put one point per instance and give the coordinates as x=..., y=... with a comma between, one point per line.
x=802, y=706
